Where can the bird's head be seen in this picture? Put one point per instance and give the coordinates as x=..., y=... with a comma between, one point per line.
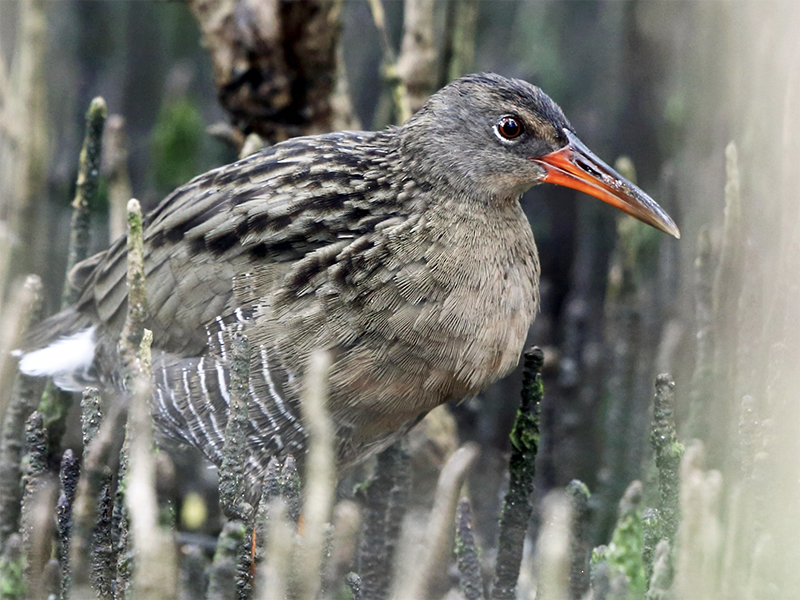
x=497, y=137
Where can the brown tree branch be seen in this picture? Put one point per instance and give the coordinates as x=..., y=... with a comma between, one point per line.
x=416, y=64
x=459, y=46
x=396, y=83
x=24, y=139
x=115, y=165
x=274, y=62
x=4, y=123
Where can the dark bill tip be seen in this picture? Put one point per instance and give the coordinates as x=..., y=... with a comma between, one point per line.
x=575, y=166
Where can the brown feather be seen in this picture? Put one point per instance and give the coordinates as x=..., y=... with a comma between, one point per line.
x=420, y=281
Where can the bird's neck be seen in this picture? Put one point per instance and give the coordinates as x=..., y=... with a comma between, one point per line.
x=487, y=256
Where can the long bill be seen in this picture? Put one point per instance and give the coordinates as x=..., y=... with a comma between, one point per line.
x=575, y=166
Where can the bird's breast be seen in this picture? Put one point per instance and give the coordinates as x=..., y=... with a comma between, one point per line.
x=446, y=313
x=492, y=270
x=425, y=309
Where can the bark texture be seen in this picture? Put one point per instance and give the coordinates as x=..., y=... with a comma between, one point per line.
x=274, y=62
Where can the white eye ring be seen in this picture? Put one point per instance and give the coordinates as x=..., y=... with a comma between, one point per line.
x=508, y=128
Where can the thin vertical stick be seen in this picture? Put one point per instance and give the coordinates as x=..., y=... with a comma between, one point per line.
x=68, y=476
x=668, y=454
x=24, y=310
x=13, y=419
x=94, y=475
x=727, y=291
x=459, y=46
x=701, y=392
x=222, y=580
x=469, y=565
x=85, y=193
x=274, y=573
x=578, y=495
x=137, y=293
x=35, y=475
x=155, y=573
x=416, y=64
x=383, y=509
x=231, y=473
x=553, y=548
x=517, y=506
x=440, y=523
x=320, y=475
x=55, y=403
x=390, y=74
x=115, y=159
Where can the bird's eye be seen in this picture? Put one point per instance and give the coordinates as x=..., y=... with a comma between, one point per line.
x=509, y=127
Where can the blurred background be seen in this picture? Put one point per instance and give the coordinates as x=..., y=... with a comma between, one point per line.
x=669, y=84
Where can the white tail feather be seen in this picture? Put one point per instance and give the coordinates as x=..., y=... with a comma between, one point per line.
x=67, y=355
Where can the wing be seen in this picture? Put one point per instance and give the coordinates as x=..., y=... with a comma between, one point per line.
x=246, y=219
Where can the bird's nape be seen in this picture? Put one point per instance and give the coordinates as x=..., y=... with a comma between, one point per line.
x=577, y=167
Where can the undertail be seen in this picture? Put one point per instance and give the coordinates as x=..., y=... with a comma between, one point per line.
x=62, y=347
x=190, y=405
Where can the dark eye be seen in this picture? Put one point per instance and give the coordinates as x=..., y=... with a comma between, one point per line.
x=509, y=127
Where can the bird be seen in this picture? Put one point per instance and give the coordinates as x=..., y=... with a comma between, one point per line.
x=403, y=253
